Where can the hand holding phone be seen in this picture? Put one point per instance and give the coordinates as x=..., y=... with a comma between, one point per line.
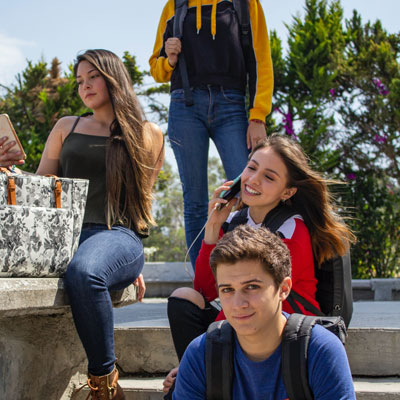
x=233, y=191
x=8, y=154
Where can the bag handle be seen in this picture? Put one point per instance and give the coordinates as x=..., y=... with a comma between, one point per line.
x=12, y=200
x=57, y=189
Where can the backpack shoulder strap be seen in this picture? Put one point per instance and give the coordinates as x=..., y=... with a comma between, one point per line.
x=180, y=14
x=242, y=10
x=240, y=218
x=219, y=361
x=305, y=303
x=295, y=340
x=181, y=7
x=277, y=216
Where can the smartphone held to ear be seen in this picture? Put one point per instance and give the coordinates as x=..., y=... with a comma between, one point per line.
x=6, y=129
x=233, y=191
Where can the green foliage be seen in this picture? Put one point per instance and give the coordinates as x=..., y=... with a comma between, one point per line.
x=337, y=92
x=40, y=97
x=168, y=237
x=377, y=225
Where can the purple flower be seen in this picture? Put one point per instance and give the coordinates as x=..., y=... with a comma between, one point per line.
x=332, y=92
x=380, y=139
x=351, y=176
x=288, y=122
x=380, y=86
x=390, y=188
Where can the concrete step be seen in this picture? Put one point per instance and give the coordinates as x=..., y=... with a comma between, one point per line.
x=151, y=389
x=377, y=388
x=144, y=344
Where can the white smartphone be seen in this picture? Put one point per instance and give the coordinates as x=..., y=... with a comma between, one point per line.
x=7, y=129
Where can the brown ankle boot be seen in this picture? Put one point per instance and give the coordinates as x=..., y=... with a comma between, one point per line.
x=105, y=387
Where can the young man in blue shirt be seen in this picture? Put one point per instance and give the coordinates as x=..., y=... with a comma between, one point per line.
x=252, y=270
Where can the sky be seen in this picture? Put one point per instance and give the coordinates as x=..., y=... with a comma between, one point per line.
x=35, y=29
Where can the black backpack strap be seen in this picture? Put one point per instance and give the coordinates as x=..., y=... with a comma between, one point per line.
x=277, y=216
x=295, y=340
x=242, y=10
x=180, y=14
x=219, y=361
x=307, y=305
x=293, y=304
x=240, y=218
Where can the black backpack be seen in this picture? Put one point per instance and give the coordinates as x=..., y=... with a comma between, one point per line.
x=242, y=10
x=295, y=339
x=334, y=289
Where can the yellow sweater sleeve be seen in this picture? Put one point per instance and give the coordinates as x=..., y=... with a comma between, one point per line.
x=159, y=66
x=265, y=74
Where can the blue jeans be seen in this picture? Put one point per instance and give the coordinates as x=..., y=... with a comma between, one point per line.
x=105, y=260
x=219, y=114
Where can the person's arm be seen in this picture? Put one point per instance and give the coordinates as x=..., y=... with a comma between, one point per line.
x=204, y=281
x=262, y=102
x=49, y=162
x=160, y=67
x=328, y=368
x=304, y=282
x=191, y=378
x=154, y=142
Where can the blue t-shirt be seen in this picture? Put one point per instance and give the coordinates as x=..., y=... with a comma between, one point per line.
x=328, y=369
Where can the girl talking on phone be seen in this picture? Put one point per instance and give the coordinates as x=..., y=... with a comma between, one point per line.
x=276, y=176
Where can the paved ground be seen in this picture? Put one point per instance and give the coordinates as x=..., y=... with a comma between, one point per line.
x=153, y=312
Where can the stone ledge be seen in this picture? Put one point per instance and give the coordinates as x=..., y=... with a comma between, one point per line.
x=45, y=296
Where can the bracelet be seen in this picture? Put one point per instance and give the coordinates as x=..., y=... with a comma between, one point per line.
x=257, y=121
x=12, y=169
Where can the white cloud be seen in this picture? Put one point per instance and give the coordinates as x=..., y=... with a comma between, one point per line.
x=12, y=59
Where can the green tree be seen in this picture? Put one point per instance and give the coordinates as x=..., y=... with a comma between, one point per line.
x=168, y=237
x=39, y=98
x=337, y=92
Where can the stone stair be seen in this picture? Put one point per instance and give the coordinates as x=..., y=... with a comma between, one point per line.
x=145, y=351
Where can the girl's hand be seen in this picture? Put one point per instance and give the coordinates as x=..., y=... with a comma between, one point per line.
x=139, y=282
x=173, y=47
x=169, y=380
x=218, y=211
x=9, y=157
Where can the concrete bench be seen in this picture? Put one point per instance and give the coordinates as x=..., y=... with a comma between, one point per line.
x=41, y=356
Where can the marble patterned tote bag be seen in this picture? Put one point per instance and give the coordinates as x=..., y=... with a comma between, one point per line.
x=40, y=223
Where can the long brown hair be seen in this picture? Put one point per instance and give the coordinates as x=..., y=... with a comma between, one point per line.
x=128, y=171
x=313, y=201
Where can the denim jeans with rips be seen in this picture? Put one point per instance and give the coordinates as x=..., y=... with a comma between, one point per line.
x=105, y=260
x=218, y=114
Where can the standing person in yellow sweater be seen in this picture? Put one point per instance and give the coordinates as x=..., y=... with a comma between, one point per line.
x=223, y=57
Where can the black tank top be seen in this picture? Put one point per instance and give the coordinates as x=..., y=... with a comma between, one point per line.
x=84, y=156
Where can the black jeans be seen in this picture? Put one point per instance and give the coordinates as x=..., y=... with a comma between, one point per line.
x=187, y=321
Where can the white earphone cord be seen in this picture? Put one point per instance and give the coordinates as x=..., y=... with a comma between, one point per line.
x=194, y=241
